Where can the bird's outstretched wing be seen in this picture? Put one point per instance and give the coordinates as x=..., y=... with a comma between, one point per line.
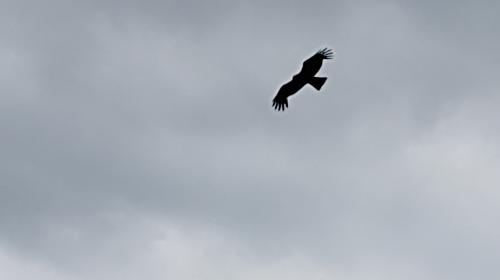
x=280, y=103
x=325, y=53
x=312, y=65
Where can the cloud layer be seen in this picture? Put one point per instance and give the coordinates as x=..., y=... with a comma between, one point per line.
x=138, y=141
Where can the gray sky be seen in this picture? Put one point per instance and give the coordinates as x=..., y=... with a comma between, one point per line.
x=138, y=140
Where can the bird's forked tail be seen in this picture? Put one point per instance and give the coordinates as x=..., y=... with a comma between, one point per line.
x=317, y=82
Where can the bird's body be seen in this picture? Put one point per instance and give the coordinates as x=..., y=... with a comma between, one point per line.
x=310, y=68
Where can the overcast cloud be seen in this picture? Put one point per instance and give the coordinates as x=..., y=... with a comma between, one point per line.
x=138, y=140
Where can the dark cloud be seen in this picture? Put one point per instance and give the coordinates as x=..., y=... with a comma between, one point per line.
x=138, y=140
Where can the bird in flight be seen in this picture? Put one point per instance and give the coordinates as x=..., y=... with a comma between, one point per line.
x=306, y=76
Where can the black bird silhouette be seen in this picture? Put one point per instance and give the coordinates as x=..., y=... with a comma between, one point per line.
x=306, y=76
